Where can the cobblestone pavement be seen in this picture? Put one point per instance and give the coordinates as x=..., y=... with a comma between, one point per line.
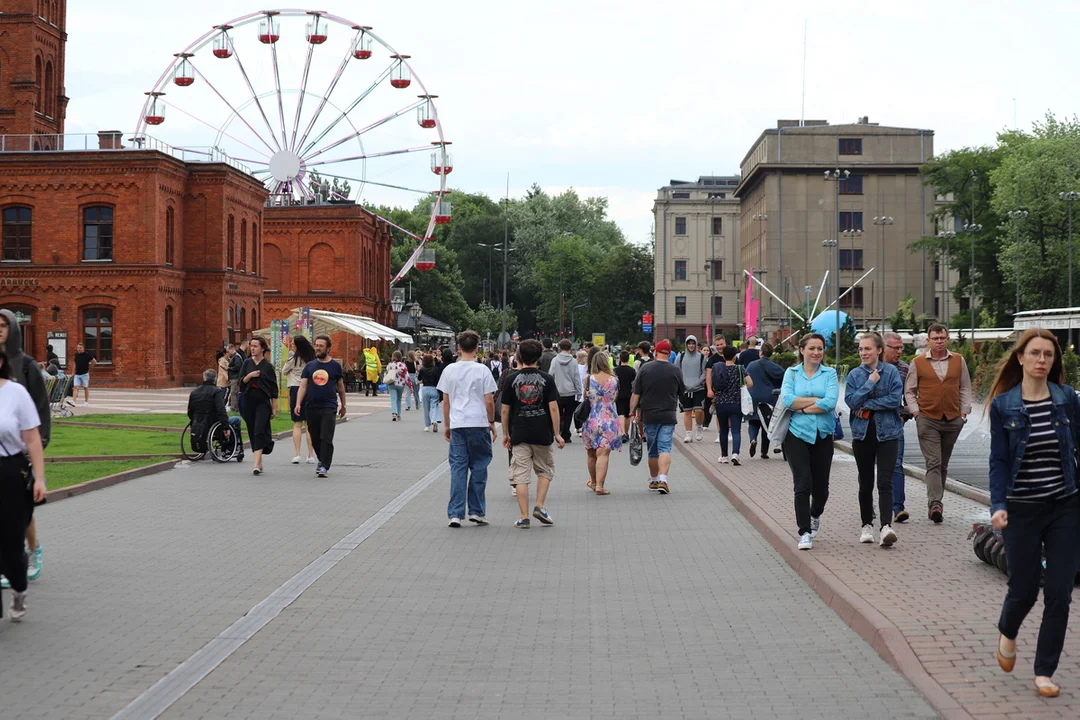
x=930, y=586
x=174, y=400
x=631, y=605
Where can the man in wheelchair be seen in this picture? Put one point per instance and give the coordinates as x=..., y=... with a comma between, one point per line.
x=206, y=407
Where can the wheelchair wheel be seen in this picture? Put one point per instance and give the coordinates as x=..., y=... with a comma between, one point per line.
x=222, y=447
x=185, y=445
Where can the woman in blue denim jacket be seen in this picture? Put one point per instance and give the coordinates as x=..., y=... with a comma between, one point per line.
x=873, y=394
x=1033, y=495
x=810, y=390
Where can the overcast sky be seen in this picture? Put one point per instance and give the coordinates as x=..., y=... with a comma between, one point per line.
x=617, y=98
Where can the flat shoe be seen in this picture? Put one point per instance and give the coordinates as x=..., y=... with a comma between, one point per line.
x=1006, y=662
x=1047, y=688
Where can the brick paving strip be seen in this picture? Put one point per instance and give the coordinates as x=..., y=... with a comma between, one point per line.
x=928, y=606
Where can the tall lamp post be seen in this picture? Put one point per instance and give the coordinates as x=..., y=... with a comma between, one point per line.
x=761, y=218
x=971, y=228
x=835, y=176
x=947, y=235
x=852, y=234
x=882, y=221
x=489, y=246
x=415, y=312
x=1017, y=216
x=831, y=246
x=1070, y=198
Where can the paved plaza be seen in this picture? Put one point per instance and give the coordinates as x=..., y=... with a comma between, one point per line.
x=289, y=596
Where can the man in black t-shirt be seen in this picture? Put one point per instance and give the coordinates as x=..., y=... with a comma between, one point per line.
x=322, y=385
x=83, y=362
x=530, y=422
x=656, y=391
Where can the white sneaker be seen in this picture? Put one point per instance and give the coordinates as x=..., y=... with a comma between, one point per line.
x=697, y=434
x=454, y=522
x=17, y=609
x=888, y=537
x=478, y=519
x=310, y=460
x=815, y=526
x=723, y=460
x=717, y=440
x=296, y=460
x=427, y=428
x=86, y=404
x=806, y=542
x=867, y=535
x=735, y=460
x=689, y=437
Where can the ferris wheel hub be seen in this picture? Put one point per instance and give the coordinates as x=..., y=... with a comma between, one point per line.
x=285, y=165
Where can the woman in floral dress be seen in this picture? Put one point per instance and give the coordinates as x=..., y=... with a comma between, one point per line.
x=601, y=431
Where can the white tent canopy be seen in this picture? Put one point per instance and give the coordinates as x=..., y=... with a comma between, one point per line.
x=325, y=322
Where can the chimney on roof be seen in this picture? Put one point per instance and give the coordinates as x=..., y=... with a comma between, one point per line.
x=109, y=140
x=864, y=120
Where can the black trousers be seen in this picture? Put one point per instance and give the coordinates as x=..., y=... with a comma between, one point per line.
x=870, y=453
x=764, y=417
x=16, y=506
x=810, y=466
x=1032, y=527
x=321, y=424
x=255, y=410
x=567, y=403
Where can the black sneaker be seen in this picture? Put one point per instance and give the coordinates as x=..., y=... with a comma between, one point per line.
x=753, y=448
x=901, y=517
x=935, y=513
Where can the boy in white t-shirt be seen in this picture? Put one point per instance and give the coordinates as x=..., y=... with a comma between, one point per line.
x=469, y=420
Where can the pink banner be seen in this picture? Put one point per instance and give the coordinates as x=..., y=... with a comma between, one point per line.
x=751, y=307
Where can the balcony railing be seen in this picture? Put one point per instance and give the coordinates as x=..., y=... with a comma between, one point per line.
x=113, y=141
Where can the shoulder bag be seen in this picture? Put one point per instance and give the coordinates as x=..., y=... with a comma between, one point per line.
x=778, y=426
x=747, y=402
x=581, y=413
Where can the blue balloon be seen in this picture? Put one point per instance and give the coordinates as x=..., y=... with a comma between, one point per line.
x=825, y=323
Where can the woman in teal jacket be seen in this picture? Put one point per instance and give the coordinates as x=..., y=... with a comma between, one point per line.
x=810, y=390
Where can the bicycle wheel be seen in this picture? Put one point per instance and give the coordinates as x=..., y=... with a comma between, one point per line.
x=222, y=447
x=185, y=445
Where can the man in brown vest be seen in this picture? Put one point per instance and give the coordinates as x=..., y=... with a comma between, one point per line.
x=938, y=393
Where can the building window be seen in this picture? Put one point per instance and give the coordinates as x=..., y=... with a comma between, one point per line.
x=680, y=269
x=168, y=335
x=230, y=238
x=170, y=237
x=680, y=306
x=851, y=146
x=717, y=269
x=680, y=226
x=255, y=248
x=98, y=235
x=937, y=307
x=851, y=260
x=680, y=336
x=937, y=269
x=243, y=318
x=850, y=221
x=851, y=185
x=680, y=196
x=853, y=299
x=98, y=333
x=718, y=306
x=965, y=304
x=243, y=245
x=17, y=226
x=718, y=226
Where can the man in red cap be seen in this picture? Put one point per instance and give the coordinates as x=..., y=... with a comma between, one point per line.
x=657, y=388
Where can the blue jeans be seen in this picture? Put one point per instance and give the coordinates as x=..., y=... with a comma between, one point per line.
x=431, y=406
x=414, y=395
x=898, y=496
x=396, y=391
x=470, y=455
x=658, y=439
x=729, y=416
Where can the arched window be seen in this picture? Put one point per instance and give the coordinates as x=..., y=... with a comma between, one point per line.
x=38, y=72
x=321, y=268
x=18, y=224
x=255, y=248
x=170, y=237
x=50, y=91
x=98, y=233
x=97, y=333
x=243, y=244
x=168, y=335
x=243, y=318
x=254, y=319
x=229, y=242
x=272, y=270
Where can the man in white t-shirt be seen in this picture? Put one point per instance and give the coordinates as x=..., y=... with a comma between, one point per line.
x=469, y=420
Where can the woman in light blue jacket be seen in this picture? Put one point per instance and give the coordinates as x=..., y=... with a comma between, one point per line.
x=873, y=395
x=810, y=390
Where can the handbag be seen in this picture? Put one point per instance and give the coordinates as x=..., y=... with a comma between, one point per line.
x=581, y=412
x=389, y=376
x=838, y=431
x=778, y=426
x=636, y=445
x=746, y=402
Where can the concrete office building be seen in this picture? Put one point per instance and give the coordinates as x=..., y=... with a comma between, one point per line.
x=697, y=268
x=788, y=208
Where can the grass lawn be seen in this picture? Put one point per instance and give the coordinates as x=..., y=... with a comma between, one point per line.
x=68, y=440
x=61, y=475
x=172, y=420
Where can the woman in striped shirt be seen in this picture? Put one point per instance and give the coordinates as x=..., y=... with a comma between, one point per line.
x=1033, y=495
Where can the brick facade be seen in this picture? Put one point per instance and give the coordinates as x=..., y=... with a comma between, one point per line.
x=32, y=99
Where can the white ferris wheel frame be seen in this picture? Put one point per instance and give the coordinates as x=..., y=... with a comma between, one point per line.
x=228, y=27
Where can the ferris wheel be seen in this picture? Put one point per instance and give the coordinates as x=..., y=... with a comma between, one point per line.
x=317, y=107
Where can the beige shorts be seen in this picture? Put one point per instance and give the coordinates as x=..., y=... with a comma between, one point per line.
x=528, y=459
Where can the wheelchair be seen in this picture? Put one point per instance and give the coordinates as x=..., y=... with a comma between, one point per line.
x=216, y=444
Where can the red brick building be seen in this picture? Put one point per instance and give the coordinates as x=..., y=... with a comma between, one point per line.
x=151, y=261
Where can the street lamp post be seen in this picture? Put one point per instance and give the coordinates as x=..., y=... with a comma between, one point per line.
x=971, y=228
x=489, y=246
x=851, y=263
x=760, y=218
x=830, y=246
x=415, y=312
x=947, y=235
x=882, y=221
x=573, y=310
x=1017, y=216
x=1070, y=198
x=835, y=176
